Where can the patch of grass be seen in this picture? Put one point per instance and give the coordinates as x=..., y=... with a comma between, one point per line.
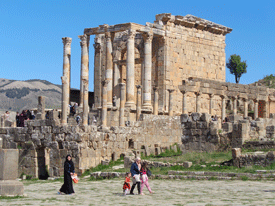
x=213, y=178
x=95, y=179
x=10, y=197
x=103, y=167
x=244, y=178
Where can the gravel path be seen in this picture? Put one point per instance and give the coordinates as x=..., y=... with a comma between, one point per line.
x=167, y=192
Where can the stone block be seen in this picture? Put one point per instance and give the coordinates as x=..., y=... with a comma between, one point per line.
x=205, y=117
x=128, y=160
x=105, y=162
x=184, y=118
x=227, y=127
x=157, y=151
x=235, y=118
x=11, y=188
x=196, y=116
x=236, y=152
x=187, y=164
x=9, y=164
x=272, y=115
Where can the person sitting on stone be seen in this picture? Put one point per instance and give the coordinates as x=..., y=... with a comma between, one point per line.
x=135, y=172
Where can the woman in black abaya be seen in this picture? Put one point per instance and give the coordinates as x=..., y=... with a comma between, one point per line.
x=67, y=187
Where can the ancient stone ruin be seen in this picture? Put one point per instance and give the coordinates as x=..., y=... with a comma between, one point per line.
x=156, y=85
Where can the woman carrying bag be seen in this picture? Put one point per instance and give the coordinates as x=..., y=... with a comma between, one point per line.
x=67, y=187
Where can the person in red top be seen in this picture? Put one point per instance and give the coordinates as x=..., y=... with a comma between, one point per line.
x=126, y=185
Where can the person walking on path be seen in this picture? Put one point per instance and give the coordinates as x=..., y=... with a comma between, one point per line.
x=126, y=185
x=135, y=172
x=67, y=187
x=144, y=178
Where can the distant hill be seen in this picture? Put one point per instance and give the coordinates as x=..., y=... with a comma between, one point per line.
x=18, y=95
x=268, y=81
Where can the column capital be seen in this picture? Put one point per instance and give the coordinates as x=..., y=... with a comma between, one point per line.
x=138, y=86
x=212, y=95
x=170, y=90
x=245, y=99
x=83, y=40
x=67, y=41
x=97, y=47
x=197, y=93
x=223, y=96
x=148, y=36
x=105, y=82
x=256, y=100
x=131, y=34
x=155, y=88
x=108, y=36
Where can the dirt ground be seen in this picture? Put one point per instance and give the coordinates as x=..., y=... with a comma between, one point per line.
x=167, y=192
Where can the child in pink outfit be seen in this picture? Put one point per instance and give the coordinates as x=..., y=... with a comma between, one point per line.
x=144, y=178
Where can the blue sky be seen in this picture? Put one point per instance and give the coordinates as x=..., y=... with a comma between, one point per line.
x=31, y=32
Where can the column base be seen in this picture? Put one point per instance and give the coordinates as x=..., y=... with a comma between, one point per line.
x=130, y=105
x=147, y=107
x=11, y=188
x=109, y=105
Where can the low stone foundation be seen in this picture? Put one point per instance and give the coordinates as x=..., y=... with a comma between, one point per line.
x=250, y=159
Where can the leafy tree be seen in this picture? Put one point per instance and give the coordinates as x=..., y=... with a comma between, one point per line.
x=236, y=66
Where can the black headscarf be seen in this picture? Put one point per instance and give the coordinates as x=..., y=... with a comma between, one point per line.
x=70, y=162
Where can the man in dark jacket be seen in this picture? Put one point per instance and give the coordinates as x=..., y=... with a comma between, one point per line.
x=135, y=172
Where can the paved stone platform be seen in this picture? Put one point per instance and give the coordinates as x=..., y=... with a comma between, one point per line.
x=167, y=192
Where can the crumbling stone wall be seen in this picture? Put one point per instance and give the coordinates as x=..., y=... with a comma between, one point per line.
x=200, y=133
x=43, y=144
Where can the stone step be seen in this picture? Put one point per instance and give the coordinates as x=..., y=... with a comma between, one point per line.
x=197, y=176
x=222, y=174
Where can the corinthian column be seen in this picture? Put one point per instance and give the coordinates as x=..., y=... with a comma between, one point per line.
x=234, y=105
x=138, y=102
x=184, y=103
x=245, y=107
x=130, y=70
x=122, y=104
x=104, y=103
x=109, y=69
x=223, y=107
x=256, y=106
x=198, y=102
x=156, y=101
x=84, y=92
x=97, y=74
x=211, y=103
x=148, y=37
x=66, y=78
x=171, y=101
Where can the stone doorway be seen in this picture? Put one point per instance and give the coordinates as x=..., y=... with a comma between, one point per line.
x=43, y=163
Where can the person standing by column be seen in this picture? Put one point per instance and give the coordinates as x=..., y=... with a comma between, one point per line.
x=135, y=172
